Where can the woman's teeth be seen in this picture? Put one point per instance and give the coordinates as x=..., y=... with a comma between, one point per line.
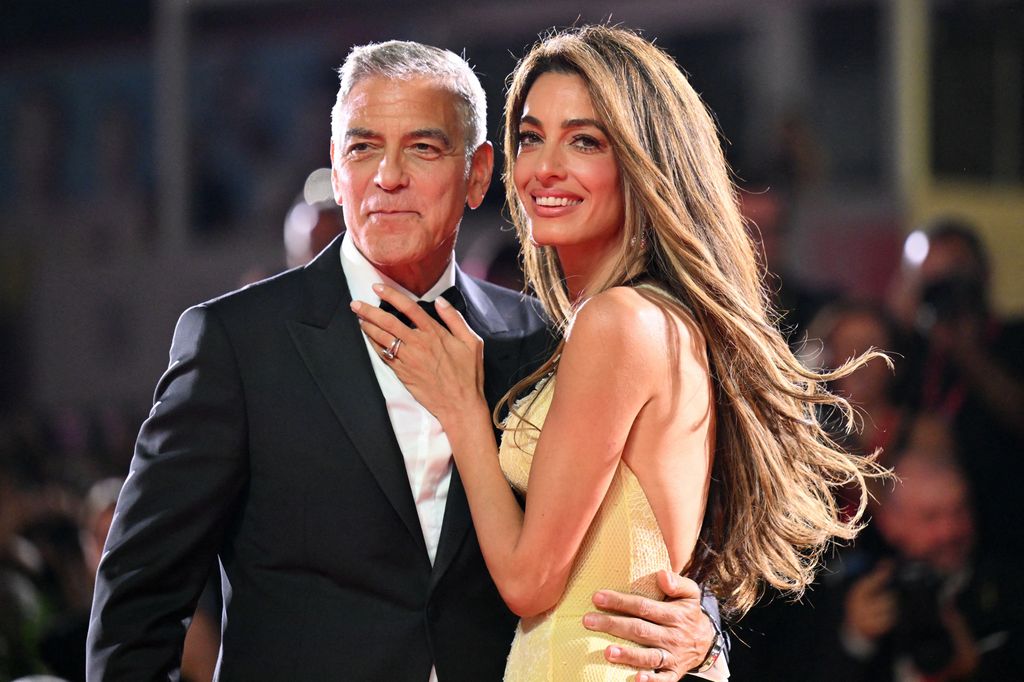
x=557, y=201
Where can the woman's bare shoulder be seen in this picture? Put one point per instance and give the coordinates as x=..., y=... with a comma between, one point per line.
x=633, y=324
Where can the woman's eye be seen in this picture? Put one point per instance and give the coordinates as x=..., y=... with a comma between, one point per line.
x=528, y=138
x=586, y=143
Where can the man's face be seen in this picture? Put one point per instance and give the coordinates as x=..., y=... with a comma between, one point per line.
x=929, y=519
x=399, y=173
x=949, y=257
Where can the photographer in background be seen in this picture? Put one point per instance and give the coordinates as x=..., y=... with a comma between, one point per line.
x=966, y=366
x=932, y=610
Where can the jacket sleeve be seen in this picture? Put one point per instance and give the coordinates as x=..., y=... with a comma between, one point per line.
x=187, y=471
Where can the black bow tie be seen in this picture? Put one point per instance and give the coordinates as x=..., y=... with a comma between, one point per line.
x=452, y=295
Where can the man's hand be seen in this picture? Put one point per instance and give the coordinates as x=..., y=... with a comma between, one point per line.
x=966, y=656
x=870, y=605
x=676, y=627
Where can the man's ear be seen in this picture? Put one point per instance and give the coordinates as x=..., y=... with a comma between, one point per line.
x=480, y=169
x=335, y=181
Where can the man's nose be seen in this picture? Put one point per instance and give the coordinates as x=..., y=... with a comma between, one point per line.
x=948, y=530
x=391, y=172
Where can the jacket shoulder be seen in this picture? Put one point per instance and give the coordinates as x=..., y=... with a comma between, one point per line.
x=522, y=311
x=279, y=287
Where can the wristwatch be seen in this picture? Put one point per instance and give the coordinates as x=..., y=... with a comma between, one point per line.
x=717, y=646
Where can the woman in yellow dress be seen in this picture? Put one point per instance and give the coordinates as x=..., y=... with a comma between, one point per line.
x=672, y=429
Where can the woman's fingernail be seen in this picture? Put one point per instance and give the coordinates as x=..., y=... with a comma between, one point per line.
x=614, y=651
x=442, y=302
x=378, y=288
x=355, y=306
x=600, y=598
x=589, y=620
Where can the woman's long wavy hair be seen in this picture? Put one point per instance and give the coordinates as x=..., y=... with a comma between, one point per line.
x=771, y=511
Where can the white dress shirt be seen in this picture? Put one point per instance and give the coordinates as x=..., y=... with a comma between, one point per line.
x=424, y=445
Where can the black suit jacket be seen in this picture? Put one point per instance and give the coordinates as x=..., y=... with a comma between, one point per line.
x=269, y=447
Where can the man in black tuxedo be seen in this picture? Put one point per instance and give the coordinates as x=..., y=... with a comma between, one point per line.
x=282, y=445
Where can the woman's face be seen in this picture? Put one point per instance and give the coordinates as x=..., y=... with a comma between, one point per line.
x=565, y=172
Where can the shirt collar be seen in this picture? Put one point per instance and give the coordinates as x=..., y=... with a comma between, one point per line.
x=362, y=275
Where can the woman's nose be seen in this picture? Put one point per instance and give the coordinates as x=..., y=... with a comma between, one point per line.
x=550, y=163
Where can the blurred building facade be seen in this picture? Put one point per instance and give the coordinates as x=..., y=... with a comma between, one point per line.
x=147, y=167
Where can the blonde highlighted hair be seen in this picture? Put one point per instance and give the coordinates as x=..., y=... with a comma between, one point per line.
x=771, y=510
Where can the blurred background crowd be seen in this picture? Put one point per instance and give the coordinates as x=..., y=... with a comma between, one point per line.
x=155, y=154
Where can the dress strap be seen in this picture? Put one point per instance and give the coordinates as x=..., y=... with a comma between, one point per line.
x=661, y=290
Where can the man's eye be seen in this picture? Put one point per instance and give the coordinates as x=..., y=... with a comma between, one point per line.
x=426, y=149
x=357, y=148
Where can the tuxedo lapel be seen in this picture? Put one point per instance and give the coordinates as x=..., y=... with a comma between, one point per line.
x=328, y=338
x=499, y=352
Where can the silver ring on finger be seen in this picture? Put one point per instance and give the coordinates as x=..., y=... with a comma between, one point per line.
x=391, y=352
x=661, y=663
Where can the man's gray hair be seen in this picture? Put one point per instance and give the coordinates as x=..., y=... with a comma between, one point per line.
x=403, y=60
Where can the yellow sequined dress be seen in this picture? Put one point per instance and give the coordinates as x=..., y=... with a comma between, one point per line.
x=622, y=550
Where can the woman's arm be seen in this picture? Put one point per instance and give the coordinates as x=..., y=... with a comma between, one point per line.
x=606, y=375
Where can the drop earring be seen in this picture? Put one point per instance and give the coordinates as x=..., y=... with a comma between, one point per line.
x=643, y=240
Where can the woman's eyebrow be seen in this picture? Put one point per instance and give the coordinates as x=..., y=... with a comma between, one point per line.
x=582, y=123
x=567, y=123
